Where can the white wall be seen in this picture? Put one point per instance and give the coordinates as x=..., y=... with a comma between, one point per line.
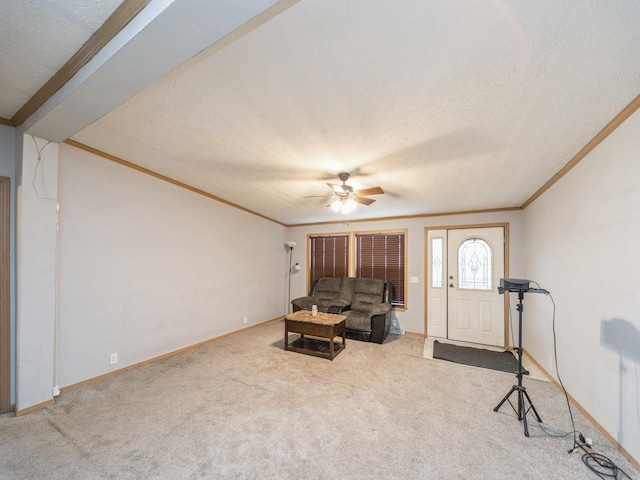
x=147, y=267
x=36, y=233
x=413, y=318
x=581, y=243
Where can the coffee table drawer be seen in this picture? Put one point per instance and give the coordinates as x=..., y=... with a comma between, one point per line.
x=309, y=328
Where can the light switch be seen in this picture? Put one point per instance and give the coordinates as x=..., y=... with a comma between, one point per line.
x=413, y=279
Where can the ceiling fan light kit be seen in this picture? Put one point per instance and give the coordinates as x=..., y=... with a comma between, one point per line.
x=343, y=205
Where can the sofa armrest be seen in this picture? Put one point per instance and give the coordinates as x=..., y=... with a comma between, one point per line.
x=381, y=309
x=380, y=322
x=303, y=303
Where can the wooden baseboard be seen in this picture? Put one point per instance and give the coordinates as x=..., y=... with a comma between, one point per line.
x=33, y=408
x=609, y=437
x=415, y=334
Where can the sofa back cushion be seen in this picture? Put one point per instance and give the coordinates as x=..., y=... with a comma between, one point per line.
x=347, y=289
x=368, y=293
x=327, y=289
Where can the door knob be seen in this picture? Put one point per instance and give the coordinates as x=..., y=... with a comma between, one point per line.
x=451, y=285
x=450, y=277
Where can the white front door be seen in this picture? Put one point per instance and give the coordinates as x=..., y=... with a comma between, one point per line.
x=464, y=269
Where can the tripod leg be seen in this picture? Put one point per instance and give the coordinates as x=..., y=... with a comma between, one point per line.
x=506, y=397
x=521, y=406
x=522, y=411
x=532, y=407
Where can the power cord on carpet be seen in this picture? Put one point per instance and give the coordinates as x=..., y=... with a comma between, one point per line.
x=594, y=461
x=598, y=463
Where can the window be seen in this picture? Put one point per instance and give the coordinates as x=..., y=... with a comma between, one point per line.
x=436, y=262
x=474, y=265
x=381, y=255
x=329, y=256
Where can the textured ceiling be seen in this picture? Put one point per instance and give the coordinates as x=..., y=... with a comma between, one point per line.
x=448, y=106
x=37, y=38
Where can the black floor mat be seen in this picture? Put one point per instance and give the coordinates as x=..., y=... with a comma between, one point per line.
x=477, y=357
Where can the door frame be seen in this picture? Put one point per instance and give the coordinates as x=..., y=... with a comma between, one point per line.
x=5, y=295
x=427, y=274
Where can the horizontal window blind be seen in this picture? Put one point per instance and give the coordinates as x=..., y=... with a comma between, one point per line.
x=381, y=255
x=329, y=256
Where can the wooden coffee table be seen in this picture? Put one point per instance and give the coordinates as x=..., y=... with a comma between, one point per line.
x=326, y=326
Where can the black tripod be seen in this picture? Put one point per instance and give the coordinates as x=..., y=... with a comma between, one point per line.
x=523, y=396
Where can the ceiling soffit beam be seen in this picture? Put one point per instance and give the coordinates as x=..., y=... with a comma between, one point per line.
x=163, y=36
x=7, y=122
x=116, y=22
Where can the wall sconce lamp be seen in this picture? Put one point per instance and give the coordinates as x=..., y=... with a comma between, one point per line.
x=295, y=268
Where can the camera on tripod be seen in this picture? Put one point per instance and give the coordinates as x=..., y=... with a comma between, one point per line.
x=513, y=285
x=518, y=285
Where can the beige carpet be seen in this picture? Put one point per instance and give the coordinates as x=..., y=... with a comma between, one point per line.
x=242, y=407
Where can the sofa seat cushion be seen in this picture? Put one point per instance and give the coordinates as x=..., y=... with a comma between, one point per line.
x=358, y=321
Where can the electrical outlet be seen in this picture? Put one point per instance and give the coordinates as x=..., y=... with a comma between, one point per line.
x=397, y=330
x=113, y=359
x=550, y=362
x=246, y=319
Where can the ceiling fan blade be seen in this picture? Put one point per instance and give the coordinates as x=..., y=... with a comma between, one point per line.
x=363, y=200
x=370, y=191
x=339, y=189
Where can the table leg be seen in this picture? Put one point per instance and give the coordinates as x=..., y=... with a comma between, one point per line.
x=331, y=344
x=286, y=335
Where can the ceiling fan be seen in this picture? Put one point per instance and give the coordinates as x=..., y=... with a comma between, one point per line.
x=345, y=197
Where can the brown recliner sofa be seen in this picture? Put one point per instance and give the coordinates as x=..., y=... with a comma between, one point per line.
x=366, y=302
